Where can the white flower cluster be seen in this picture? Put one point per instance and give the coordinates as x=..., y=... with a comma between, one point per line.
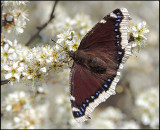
x=14, y=16
x=71, y=32
x=25, y=116
x=67, y=41
x=19, y=62
x=14, y=3
x=148, y=107
x=11, y=56
x=80, y=24
x=112, y=118
x=64, y=117
x=16, y=101
x=138, y=33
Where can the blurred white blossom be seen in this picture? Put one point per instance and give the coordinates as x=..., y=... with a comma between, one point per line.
x=63, y=116
x=138, y=33
x=38, y=61
x=14, y=16
x=16, y=101
x=156, y=4
x=148, y=106
x=111, y=118
x=14, y=3
x=129, y=125
x=14, y=70
x=25, y=116
x=31, y=118
x=79, y=25
x=19, y=61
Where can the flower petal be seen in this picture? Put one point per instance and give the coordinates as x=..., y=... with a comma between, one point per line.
x=8, y=76
x=6, y=67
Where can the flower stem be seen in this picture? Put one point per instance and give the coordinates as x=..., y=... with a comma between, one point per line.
x=43, y=26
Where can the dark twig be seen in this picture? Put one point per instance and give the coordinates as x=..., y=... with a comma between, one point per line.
x=4, y=82
x=43, y=26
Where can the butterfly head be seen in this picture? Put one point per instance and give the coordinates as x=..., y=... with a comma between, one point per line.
x=70, y=53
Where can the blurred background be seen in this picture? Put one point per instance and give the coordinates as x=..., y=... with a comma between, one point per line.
x=136, y=104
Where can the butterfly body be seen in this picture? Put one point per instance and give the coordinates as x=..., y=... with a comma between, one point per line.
x=89, y=61
x=97, y=63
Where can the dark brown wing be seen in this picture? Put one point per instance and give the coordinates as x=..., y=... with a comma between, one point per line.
x=107, y=41
x=85, y=87
x=107, y=32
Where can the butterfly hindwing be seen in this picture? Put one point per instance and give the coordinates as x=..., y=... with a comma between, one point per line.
x=84, y=90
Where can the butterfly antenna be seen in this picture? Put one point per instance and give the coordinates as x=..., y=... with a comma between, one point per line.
x=57, y=43
x=68, y=52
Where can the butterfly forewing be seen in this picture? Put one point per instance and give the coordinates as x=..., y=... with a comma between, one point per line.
x=103, y=33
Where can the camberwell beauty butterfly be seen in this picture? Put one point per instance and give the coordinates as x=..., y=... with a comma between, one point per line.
x=97, y=63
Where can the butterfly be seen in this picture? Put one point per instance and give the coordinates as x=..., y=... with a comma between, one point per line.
x=97, y=63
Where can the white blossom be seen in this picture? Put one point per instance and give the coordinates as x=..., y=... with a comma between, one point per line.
x=14, y=16
x=14, y=3
x=16, y=101
x=138, y=32
x=26, y=116
x=14, y=70
x=30, y=118
x=147, y=105
x=129, y=125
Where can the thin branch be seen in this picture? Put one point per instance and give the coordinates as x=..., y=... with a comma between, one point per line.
x=4, y=82
x=43, y=26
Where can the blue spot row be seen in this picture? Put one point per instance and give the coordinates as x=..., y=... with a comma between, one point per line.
x=82, y=109
x=116, y=30
x=80, y=112
x=109, y=80
x=118, y=20
x=119, y=16
x=117, y=43
x=105, y=85
x=116, y=24
x=87, y=101
x=92, y=97
x=97, y=93
x=120, y=52
x=84, y=105
x=118, y=58
x=117, y=36
x=118, y=13
x=77, y=113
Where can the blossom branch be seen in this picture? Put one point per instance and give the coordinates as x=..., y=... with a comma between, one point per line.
x=43, y=26
x=4, y=82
